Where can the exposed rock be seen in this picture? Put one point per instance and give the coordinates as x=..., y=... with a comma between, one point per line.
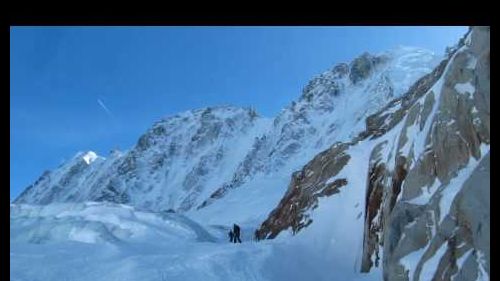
x=377, y=175
x=363, y=66
x=305, y=189
x=427, y=192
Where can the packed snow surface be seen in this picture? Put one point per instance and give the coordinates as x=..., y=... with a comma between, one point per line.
x=104, y=241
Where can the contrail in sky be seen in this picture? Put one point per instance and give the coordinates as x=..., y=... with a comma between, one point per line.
x=105, y=108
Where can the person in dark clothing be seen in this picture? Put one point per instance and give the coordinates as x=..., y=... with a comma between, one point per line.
x=231, y=236
x=236, y=231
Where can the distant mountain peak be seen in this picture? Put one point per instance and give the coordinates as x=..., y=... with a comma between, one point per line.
x=89, y=157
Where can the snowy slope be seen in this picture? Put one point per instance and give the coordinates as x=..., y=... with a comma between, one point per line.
x=173, y=165
x=105, y=241
x=332, y=108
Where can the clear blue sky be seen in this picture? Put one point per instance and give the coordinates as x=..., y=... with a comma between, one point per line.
x=99, y=88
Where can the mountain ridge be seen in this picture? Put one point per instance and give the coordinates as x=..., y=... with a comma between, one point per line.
x=252, y=145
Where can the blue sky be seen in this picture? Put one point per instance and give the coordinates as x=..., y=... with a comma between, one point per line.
x=100, y=88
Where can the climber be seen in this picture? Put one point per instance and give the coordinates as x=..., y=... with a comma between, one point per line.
x=236, y=230
x=231, y=236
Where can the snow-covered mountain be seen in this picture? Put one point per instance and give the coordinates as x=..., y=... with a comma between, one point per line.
x=173, y=164
x=332, y=107
x=194, y=158
x=410, y=194
x=389, y=163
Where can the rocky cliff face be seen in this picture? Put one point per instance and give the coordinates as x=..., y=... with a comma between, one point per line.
x=426, y=191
